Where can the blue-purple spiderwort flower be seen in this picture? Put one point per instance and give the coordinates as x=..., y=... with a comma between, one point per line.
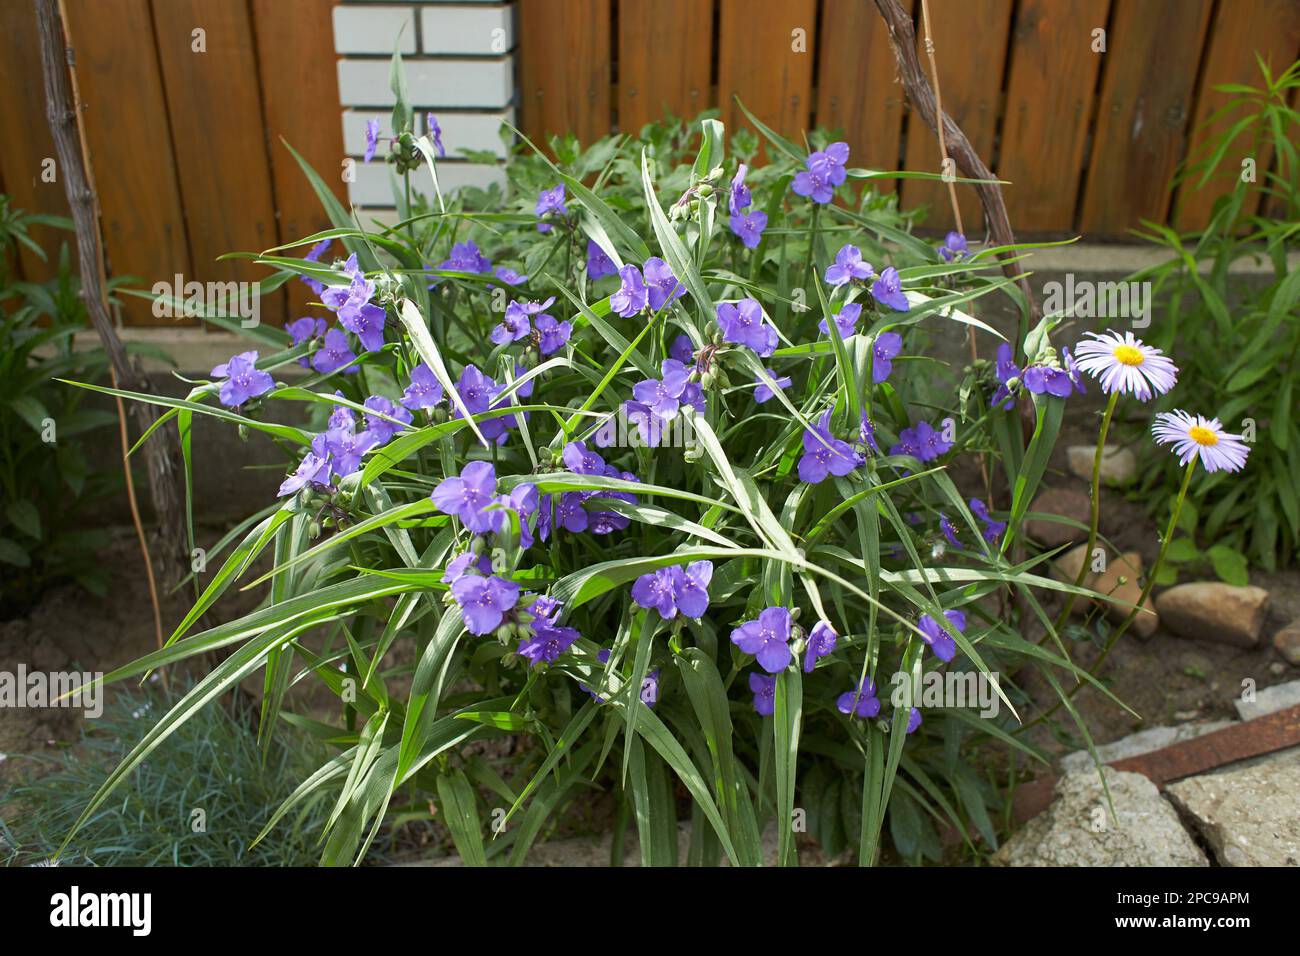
x=372, y=139
x=381, y=427
x=549, y=639
x=859, y=702
x=306, y=329
x=913, y=720
x=632, y=295
x=517, y=322
x=740, y=198
x=463, y=563
x=949, y=531
x=884, y=350
x=243, y=379
x=888, y=290
x=954, y=247
x=764, y=689
x=993, y=528
x=599, y=265
x=550, y=202
x=317, y=251
x=347, y=448
x=748, y=227
x=341, y=416
x=767, y=638
x=425, y=391
x=671, y=590
x=552, y=335
x=468, y=496
x=354, y=308
x=742, y=323
x=313, y=470
x=682, y=349
x=824, y=171
x=510, y=276
x=940, y=641
x=466, y=257
x=922, y=442
x=334, y=353
x=821, y=643
x=846, y=321
x=848, y=267
x=435, y=134
x=662, y=286
x=763, y=393
x=484, y=601
x=1040, y=379
x=819, y=461
x=663, y=395
x=1005, y=369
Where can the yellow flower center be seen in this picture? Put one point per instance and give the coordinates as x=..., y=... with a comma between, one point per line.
x=1128, y=355
x=1202, y=436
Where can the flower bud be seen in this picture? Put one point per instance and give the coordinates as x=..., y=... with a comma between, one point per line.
x=314, y=529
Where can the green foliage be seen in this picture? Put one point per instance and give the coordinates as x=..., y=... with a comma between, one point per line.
x=213, y=764
x=1237, y=336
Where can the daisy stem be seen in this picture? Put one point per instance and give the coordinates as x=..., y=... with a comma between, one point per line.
x=1094, y=515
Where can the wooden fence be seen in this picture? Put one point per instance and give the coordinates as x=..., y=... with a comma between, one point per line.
x=1089, y=140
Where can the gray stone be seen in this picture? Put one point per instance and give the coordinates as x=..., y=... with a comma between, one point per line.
x=1066, y=502
x=1118, y=465
x=1250, y=816
x=1078, y=829
x=1269, y=700
x=1214, y=611
x=1287, y=643
x=1142, y=742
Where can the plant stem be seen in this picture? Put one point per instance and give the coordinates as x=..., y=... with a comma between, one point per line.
x=1094, y=517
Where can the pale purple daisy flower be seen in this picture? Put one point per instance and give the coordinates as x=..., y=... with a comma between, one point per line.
x=848, y=266
x=632, y=295
x=243, y=379
x=748, y=227
x=767, y=638
x=764, y=689
x=1124, y=364
x=859, y=702
x=846, y=321
x=940, y=641
x=1195, y=436
x=742, y=323
x=888, y=290
x=821, y=643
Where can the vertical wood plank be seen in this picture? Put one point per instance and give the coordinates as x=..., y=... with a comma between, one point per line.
x=651, y=84
x=564, y=68
x=1242, y=28
x=130, y=152
x=1148, y=77
x=1050, y=91
x=857, y=88
x=215, y=110
x=25, y=141
x=295, y=51
x=970, y=42
x=757, y=62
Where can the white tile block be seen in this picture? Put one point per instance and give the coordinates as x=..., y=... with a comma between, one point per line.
x=372, y=186
x=480, y=29
x=373, y=28
x=475, y=131
x=432, y=83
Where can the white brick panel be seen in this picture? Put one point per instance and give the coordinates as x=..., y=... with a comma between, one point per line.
x=467, y=30
x=373, y=28
x=456, y=83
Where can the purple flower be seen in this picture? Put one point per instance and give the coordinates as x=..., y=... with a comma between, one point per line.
x=335, y=353
x=425, y=391
x=1073, y=370
x=992, y=529
x=921, y=442
x=824, y=171
x=570, y=514
x=484, y=601
x=341, y=416
x=548, y=639
x=949, y=531
x=940, y=641
x=305, y=330
x=821, y=643
x=662, y=395
x=740, y=197
x=682, y=349
x=883, y=352
x=819, y=462
x=552, y=335
x=599, y=265
x=550, y=201
x=1041, y=379
x=867, y=435
x=742, y=323
x=631, y=296
x=510, y=276
x=1006, y=370
x=859, y=702
x=243, y=379
x=661, y=285
x=381, y=427
x=767, y=638
x=317, y=251
x=763, y=393
x=580, y=460
x=312, y=470
x=764, y=689
x=748, y=227
x=650, y=688
x=514, y=326
x=476, y=390
x=435, y=134
x=846, y=321
x=465, y=257
x=468, y=496
x=461, y=565
x=355, y=311
x=888, y=290
x=372, y=138
x=848, y=267
x=954, y=247
x=913, y=720
x=691, y=588
x=346, y=449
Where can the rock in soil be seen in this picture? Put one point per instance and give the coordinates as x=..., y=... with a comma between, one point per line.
x=1123, y=593
x=1248, y=816
x=1269, y=700
x=1118, y=465
x=1078, y=829
x=1214, y=611
x=1287, y=643
x=1066, y=502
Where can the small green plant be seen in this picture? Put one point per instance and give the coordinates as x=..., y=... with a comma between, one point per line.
x=1240, y=339
x=200, y=800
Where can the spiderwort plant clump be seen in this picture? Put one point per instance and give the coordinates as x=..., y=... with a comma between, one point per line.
x=619, y=600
